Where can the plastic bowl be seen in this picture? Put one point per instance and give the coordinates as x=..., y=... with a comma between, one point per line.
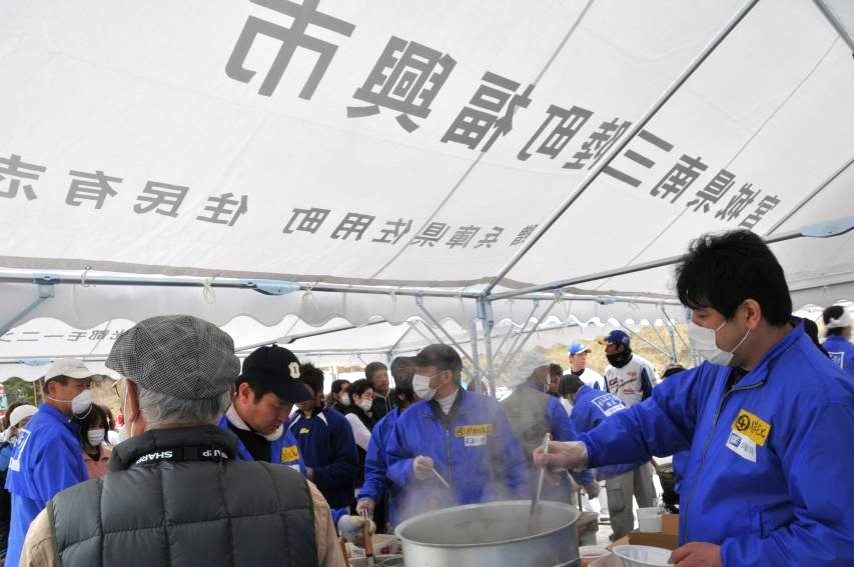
x=642, y=555
x=592, y=551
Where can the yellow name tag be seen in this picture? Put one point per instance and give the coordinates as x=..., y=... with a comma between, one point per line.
x=472, y=430
x=303, y=431
x=289, y=454
x=752, y=426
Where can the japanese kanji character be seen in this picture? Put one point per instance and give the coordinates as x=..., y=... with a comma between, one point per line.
x=475, y=121
x=98, y=334
x=767, y=203
x=115, y=334
x=462, y=236
x=353, y=223
x=713, y=191
x=162, y=198
x=638, y=158
x=524, y=234
x=598, y=144
x=75, y=336
x=490, y=237
x=431, y=234
x=15, y=170
x=59, y=336
x=738, y=203
x=679, y=178
x=405, y=79
x=92, y=187
x=225, y=206
x=310, y=220
x=569, y=122
x=293, y=37
x=394, y=231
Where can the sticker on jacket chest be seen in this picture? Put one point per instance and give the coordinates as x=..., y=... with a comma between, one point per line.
x=752, y=427
x=474, y=435
x=742, y=446
x=289, y=454
x=304, y=430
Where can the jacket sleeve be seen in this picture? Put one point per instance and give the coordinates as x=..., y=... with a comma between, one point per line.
x=39, y=546
x=646, y=383
x=818, y=469
x=400, y=456
x=562, y=427
x=344, y=468
x=661, y=425
x=376, y=467
x=508, y=451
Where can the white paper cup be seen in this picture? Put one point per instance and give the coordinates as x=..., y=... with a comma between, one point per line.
x=649, y=520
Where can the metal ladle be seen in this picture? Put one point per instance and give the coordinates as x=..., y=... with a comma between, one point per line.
x=535, y=502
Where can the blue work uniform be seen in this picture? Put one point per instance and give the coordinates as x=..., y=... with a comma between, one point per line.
x=48, y=459
x=473, y=448
x=327, y=446
x=841, y=352
x=769, y=473
x=283, y=451
x=376, y=467
x=591, y=408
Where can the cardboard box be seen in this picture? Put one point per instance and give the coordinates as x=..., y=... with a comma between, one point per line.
x=670, y=524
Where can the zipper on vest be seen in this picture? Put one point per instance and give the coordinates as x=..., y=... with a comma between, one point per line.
x=709, y=441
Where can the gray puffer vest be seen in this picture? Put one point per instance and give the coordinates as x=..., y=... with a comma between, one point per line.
x=175, y=497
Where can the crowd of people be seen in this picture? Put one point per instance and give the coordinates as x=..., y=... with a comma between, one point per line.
x=220, y=464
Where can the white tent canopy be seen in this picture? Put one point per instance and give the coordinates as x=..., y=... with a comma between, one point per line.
x=373, y=159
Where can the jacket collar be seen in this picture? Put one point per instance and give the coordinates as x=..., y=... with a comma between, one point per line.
x=126, y=453
x=766, y=364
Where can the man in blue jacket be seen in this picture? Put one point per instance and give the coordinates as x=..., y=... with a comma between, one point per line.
x=766, y=419
x=377, y=484
x=591, y=407
x=326, y=444
x=464, y=437
x=267, y=390
x=48, y=457
x=837, y=326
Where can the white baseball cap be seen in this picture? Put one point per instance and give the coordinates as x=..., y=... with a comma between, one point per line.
x=71, y=367
x=20, y=413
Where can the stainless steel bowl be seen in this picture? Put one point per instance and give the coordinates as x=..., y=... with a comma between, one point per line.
x=495, y=534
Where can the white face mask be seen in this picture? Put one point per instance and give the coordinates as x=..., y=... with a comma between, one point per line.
x=421, y=385
x=80, y=404
x=95, y=437
x=366, y=405
x=704, y=344
x=345, y=400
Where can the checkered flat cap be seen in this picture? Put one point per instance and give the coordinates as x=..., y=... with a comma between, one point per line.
x=178, y=355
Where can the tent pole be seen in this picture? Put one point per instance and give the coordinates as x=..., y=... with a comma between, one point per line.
x=478, y=386
x=540, y=320
x=484, y=313
x=45, y=291
x=519, y=334
x=624, y=141
x=420, y=302
x=648, y=343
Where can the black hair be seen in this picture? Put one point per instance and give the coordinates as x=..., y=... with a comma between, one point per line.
x=259, y=386
x=722, y=271
x=338, y=385
x=569, y=384
x=312, y=376
x=672, y=369
x=58, y=379
x=87, y=423
x=833, y=312
x=373, y=368
x=555, y=369
x=359, y=387
x=399, y=364
x=442, y=357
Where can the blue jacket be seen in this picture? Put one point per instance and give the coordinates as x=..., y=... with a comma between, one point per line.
x=283, y=451
x=841, y=352
x=770, y=475
x=327, y=446
x=592, y=407
x=376, y=466
x=48, y=459
x=473, y=448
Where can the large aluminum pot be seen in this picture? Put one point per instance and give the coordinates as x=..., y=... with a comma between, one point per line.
x=494, y=534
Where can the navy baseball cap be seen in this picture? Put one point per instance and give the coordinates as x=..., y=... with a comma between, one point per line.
x=279, y=369
x=617, y=337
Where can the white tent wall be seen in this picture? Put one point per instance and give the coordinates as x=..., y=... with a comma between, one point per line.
x=179, y=141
